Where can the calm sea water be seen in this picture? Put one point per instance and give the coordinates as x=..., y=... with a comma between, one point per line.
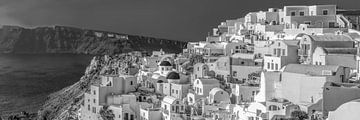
x=26, y=80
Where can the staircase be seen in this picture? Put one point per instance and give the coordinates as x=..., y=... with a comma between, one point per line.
x=343, y=22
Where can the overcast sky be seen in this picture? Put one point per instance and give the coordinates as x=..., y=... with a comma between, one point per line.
x=187, y=20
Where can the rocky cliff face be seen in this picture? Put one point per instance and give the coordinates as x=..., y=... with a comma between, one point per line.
x=61, y=39
x=64, y=104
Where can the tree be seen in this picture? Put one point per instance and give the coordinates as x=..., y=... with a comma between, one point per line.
x=299, y=115
x=106, y=114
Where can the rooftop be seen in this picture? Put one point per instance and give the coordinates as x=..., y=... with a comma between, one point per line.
x=291, y=42
x=165, y=63
x=243, y=56
x=169, y=99
x=215, y=90
x=331, y=37
x=209, y=81
x=315, y=70
x=173, y=75
x=340, y=50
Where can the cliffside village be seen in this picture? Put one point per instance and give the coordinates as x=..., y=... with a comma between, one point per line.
x=297, y=62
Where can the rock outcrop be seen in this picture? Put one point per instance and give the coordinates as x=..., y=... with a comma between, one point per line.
x=64, y=104
x=61, y=39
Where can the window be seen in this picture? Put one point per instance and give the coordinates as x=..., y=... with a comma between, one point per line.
x=126, y=116
x=177, y=92
x=258, y=112
x=131, y=82
x=89, y=107
x=242, y=62
x=282, y=19
x=293, y=13
x=325, y=12
x=272, y=66
x=191, y=100
x=283, y=52
x=268, y=65
x=302, y=13
x=172, y=108
x=331, y=24
x=94, y=92
x=234, y=73
x=307, y=22
x=276, y=66
x=198, y=68
x=182, y=107
x=273, y=108
x=172, y=90
x=237, y=47
x=251, y=118
x=94, y=109
x=94, y=101
x=177, y=102
x=274, y=51
x=131, y=117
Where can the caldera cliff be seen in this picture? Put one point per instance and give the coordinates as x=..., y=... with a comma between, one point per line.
x=62, y=39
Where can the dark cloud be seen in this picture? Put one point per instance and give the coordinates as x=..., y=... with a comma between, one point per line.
x=188, y=20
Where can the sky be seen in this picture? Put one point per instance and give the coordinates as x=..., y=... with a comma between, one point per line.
x=185, y=20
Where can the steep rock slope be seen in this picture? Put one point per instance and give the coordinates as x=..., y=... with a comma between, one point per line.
x=61, y=39
x=65, y=103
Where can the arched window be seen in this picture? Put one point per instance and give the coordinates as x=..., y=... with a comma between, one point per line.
x=190, y=99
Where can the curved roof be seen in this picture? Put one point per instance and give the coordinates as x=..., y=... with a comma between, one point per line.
x=169, y=99
x=215, y=90
x=165, y=63
x=173, y=75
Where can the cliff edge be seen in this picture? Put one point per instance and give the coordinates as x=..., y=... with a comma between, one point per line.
x=62, y=39
x=65, y=103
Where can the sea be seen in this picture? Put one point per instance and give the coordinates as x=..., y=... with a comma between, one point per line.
x=27, y=79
